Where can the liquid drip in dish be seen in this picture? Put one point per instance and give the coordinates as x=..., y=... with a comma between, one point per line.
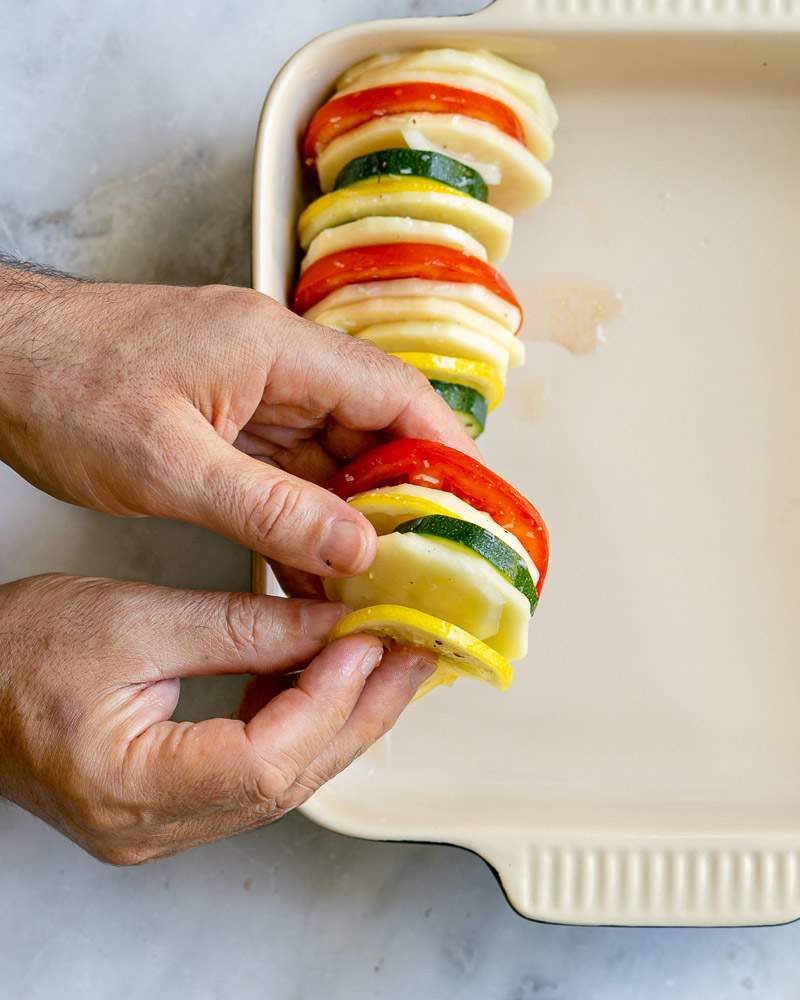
x=570, y=312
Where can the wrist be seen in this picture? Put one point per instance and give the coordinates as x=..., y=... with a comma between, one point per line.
x=27, y=297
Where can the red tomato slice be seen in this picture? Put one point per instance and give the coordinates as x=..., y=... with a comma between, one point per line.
x=395, y=260
x=342, y=114
x=427, y=463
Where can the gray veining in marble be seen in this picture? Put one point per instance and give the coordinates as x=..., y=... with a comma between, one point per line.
x=125, y=142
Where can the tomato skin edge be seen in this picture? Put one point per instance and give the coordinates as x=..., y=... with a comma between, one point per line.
x=437, y=466
x=388, y=261
x=345, y=112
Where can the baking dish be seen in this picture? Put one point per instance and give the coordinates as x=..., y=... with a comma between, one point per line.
x=643, y=767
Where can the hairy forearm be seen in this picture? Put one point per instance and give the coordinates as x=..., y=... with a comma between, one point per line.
x=34, y=303
x=28, y=293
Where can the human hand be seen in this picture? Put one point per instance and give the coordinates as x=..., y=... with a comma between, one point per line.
x=129, y=399
x=89, y=677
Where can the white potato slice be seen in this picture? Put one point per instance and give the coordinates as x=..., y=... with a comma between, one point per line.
x=489, y=225
x=477, y=297
x=438, y=338
x=388, y=506
x=527, y=85
x=374, y=230
x=525, y=180
x=445, y=580
x=538, y=137
x=357, y=316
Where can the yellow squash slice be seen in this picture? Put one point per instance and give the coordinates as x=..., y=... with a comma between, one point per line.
x=438, y=338
x=459, y=653
x=442, y=578
x=414, y=197
x=475, y=374
x=388, y=506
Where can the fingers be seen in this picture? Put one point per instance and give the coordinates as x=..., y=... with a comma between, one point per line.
x=182, y=633
x=294, y=728
x=229, y=766
x=387, y=692
x=296, y=583
x=345, y=444
x=361, y=387
x=303, y=457
x=265, y=508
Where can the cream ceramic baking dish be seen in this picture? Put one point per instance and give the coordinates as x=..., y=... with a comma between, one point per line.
x=643, y=769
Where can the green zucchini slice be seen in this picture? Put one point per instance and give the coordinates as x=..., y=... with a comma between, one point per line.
x=415, y=163
x=467, y=404
x=504, y=559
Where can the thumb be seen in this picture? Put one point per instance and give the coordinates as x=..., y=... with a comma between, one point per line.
x=266, y=509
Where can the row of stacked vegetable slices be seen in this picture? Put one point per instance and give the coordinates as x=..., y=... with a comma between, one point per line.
x=423, y=159
x=460, y=563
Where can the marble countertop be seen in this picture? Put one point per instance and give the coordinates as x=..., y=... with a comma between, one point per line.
x=125, y=153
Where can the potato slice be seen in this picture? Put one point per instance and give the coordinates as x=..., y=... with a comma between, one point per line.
x=526, y=84
x=538, y=136
x=374, y=230
x=408, y=196
x=476, y=297
x=525, y=181
x=439, y=338
x=358, y=316
x=445, y=580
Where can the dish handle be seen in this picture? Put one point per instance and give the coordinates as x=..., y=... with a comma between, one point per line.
x=655, y=881
x=510, y=15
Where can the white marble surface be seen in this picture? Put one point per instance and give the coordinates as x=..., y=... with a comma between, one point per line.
x=125, y=144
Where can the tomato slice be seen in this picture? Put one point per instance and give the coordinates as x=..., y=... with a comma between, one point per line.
x=386, y=261
x=428, y=463
x=342, y=114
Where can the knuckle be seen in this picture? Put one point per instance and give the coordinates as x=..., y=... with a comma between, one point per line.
x=387, y=368
x=412, y=377
x=245, y=623
x=269, y=508
x=234, y=304
x=122, y=855
x=264, y=786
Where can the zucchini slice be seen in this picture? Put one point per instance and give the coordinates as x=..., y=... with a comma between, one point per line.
x=471, y=536
x=404, y=162
x=388, y=506
x=525, y=181
x=467, y=404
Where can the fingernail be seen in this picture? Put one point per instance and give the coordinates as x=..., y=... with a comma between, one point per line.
x=366, y=662
x=317, y=618
x=344, y=545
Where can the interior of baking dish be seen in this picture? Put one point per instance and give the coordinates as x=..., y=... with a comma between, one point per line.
x=643, y=766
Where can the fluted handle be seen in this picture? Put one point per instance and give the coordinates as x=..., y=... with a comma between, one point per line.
x=507, y=14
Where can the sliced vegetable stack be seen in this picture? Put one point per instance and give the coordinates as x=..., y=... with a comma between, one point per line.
x=422, y=159
x=460, y=562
